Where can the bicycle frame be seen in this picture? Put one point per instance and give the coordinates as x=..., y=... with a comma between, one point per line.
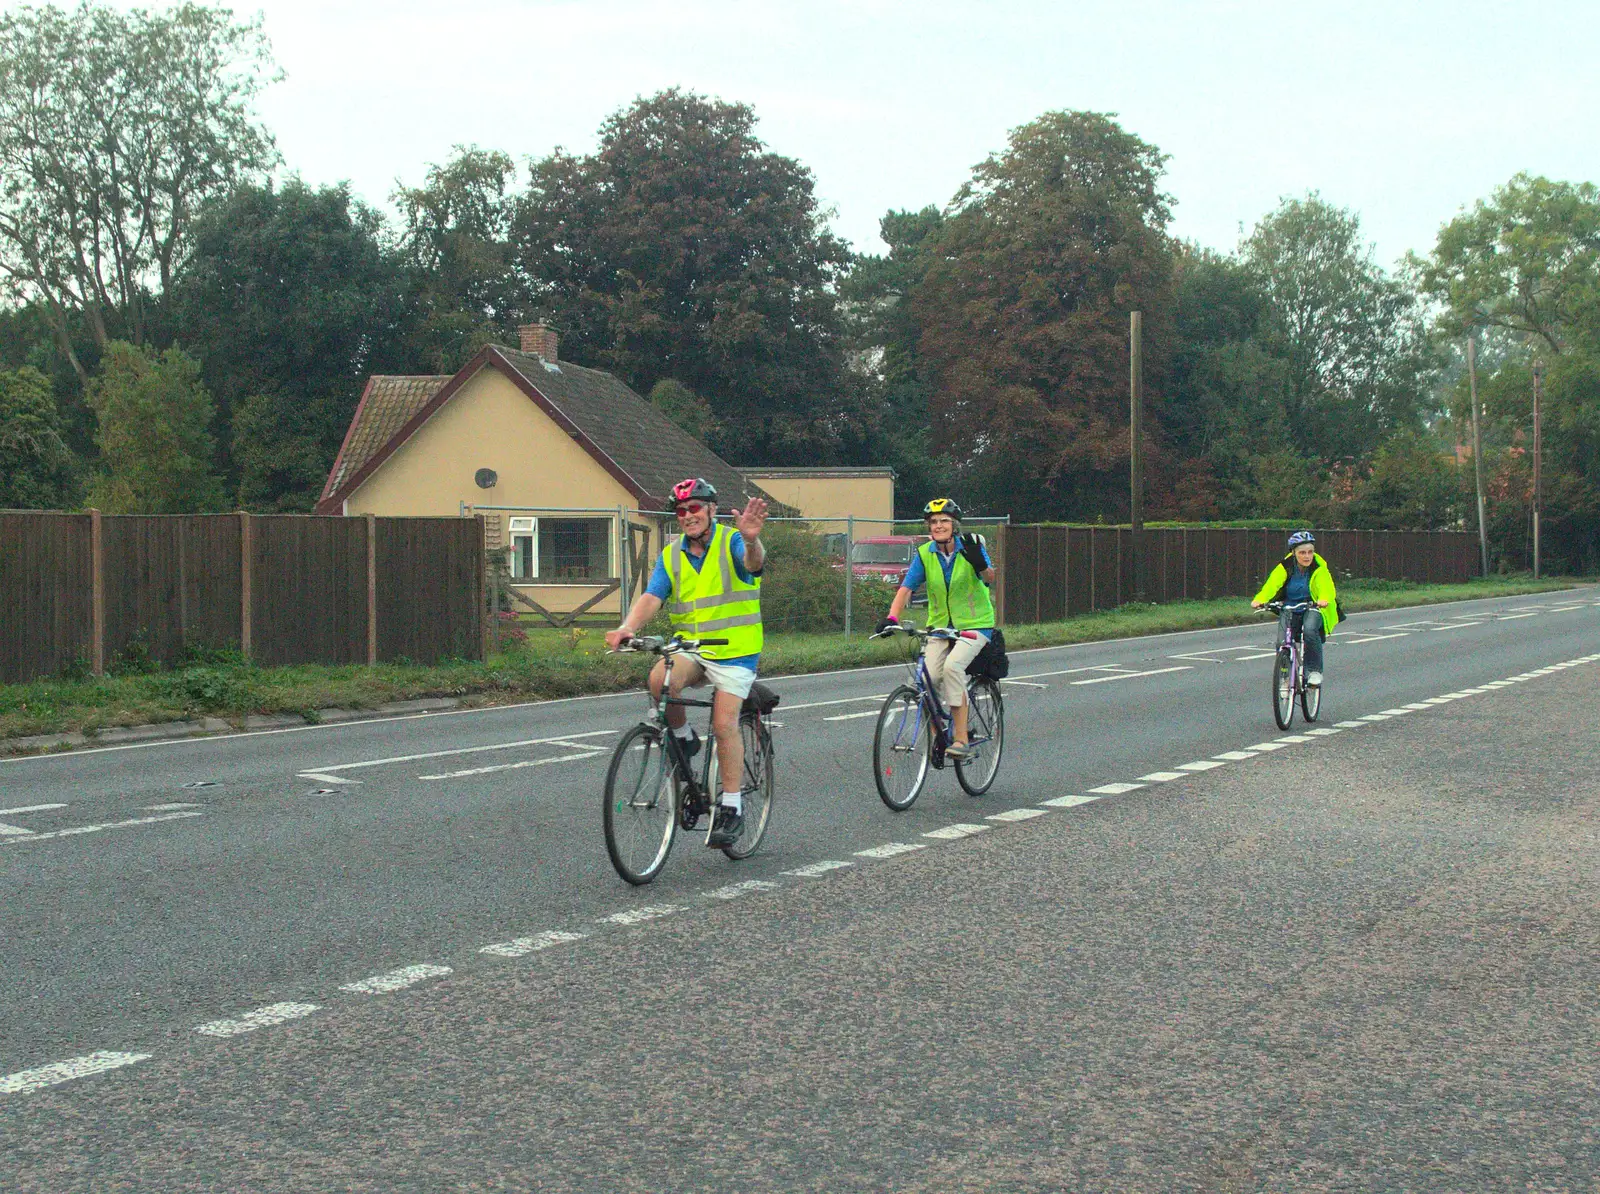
x=928, y=698
x=1294, y=644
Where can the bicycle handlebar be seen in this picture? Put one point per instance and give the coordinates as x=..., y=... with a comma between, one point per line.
x=918, y=632
x=656, y=645
x=1279, y=607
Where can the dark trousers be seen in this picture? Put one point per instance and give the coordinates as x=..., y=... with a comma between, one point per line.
x=1311, y=632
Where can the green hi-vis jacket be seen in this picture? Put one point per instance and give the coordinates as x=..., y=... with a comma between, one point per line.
x=713, y=602
x=966, y=605
x=1321, y=588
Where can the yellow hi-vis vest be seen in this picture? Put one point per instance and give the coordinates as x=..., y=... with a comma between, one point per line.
x=965, y=604
x=713, y=602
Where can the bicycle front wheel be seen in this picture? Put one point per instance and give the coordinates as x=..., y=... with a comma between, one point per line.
x=641, y=805
x=900, y=748
x=1311, y=701
x=986, y=732
x=758, y=783
x=1283, y=689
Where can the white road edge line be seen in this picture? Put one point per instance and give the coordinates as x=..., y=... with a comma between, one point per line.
x=28, y=1081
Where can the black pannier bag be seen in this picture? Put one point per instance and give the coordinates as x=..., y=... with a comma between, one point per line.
x=761, y=700
x=992, y=660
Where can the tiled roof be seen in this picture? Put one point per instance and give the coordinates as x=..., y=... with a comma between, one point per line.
x=385, y=406
x=631, y=439
x=652, y=450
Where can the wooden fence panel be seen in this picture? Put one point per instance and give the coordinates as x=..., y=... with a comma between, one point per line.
x=1022, y=567
x=171, y=583
x=1080, y=570
x=429, y=581
x=1107, y=568
x=1052, y=574
x=46, y=594
x=309, y=589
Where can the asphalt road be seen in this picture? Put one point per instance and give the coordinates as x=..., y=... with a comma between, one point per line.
x=1172, y=985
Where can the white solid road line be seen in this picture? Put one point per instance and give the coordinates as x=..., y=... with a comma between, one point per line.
x=322, y=770
x=262, y=1017
x=840, y=701
x=522, y=946
x=75, y=830
x=851, y=716
x=1160, y=671
x=573, y=758
x=395, y=980
x=27, y=1081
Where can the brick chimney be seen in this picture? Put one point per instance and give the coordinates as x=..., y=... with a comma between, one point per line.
x=539, y=340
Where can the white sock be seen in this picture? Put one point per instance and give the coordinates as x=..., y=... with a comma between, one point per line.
x=683, y=731
x=733, y=800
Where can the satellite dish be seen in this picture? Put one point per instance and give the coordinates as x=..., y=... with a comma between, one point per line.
x=485, y=477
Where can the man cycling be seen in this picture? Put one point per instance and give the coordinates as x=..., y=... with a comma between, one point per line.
x=958, y=572
x=1301, y=576
x=720, y=601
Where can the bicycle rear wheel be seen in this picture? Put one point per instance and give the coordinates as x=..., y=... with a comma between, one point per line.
x=900, y=748
x=1283, y=689
x=986, y=731
x=758, y=783
x=1311, y=701
x=641, y=805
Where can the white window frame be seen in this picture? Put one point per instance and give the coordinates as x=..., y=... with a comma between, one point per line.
x=519, y=528
x=523, y=528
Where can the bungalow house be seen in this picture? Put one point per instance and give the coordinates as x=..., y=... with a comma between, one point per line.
x=557, y=458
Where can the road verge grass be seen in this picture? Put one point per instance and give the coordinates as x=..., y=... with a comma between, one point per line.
x=555, y=664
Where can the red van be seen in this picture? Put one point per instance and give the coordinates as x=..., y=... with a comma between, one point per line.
x=885, y=558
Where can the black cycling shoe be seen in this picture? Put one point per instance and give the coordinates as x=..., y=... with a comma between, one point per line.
x=691, y=744
x=725, y=827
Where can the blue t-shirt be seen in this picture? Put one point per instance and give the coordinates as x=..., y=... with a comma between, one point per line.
x=660, y=586
x=1299, y=586
x=917, y=575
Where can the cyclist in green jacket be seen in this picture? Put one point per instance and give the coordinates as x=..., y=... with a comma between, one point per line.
x=1303, y=575
x=958, y=572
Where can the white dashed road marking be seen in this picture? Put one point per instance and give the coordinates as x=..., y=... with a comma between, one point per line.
x=851, y=716
x=522, y=946
x=955, y=831
x=734, y=890
x=1016, y=814
x=395, y=980
x=1115, y=789
x=1069, y=801
x=1234, y=756
x=890, y=849
x=1161, y=777
x=79, y=829
x=1201, y=765
x=1160, y=671
x=262, y=1017
x=819, y=868
x=573, y=758
x=637, y=916
x=27, y=1081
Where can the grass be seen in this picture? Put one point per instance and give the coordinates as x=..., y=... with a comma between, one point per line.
x=566, y=663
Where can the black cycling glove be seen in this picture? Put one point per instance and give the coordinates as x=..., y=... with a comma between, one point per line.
x=885, y=624
x=972, y=552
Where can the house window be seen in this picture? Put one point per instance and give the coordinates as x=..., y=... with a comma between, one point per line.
x=574, y=549
x=561, y=550
x=524, y=549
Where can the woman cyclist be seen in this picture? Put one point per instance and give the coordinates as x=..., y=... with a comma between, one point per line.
x=958, y=572
x=1302, y=576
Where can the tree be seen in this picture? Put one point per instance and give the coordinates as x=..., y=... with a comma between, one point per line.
x=1023, y=313
x=36, y=467
x=114, y=127
x=1412, y=486
x=290, y=301
x=1353, y=337
x=684, y=249
x=455, y=244
x=154, y=436
x=1527, y=261
x=684, y=407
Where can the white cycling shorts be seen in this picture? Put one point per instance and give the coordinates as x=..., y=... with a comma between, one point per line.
x=725, y=677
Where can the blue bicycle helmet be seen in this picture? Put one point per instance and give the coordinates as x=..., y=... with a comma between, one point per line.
x=1299, y=537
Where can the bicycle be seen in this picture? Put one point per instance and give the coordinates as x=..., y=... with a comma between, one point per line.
x=651, y=790
x=903, y=748
x=1288, y=670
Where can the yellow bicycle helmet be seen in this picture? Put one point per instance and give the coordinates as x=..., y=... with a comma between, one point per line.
x=945, y=506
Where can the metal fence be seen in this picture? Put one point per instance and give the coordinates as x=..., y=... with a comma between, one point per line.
x=80, y=590
x=1053, y=572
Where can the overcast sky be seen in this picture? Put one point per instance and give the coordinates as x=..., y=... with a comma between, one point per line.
x=1405, y=111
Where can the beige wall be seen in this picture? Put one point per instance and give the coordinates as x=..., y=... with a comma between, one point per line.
x=490, y=423
x=833, y=497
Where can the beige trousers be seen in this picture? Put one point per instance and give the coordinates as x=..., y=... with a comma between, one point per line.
x=947, y=665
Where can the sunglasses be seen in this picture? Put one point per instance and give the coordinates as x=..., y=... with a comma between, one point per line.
x=690, y=509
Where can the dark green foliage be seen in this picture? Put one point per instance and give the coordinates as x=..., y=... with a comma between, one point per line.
x=37, y=471
x=802, y=587
x=290, y=302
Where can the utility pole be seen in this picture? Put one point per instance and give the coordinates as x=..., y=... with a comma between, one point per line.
x=1538, y=385
x=1136, y=445
x=1477, y=451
